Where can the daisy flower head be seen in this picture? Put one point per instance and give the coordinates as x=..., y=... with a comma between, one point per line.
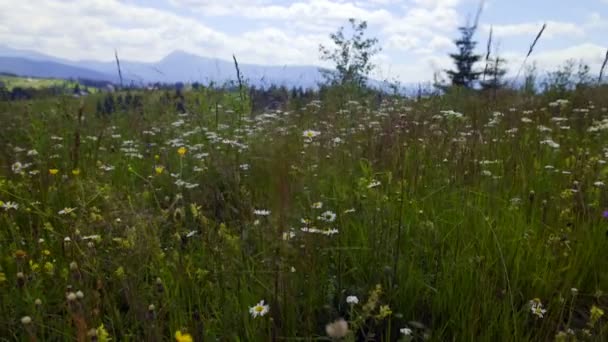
x=260, y=309
x=352, y=300
x=328, y=216
x=309, y=134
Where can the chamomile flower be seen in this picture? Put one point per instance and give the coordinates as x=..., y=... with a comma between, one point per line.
x=328, y=216
x=310, y=133
x=260, y=309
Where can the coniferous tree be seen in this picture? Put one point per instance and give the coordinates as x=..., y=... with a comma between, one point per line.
x=494, y=77
x=464, y=74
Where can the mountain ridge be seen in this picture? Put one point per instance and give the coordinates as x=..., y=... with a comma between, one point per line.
x=177, y=66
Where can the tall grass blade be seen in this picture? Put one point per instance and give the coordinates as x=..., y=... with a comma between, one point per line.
x=530, y=50
x=602, y=69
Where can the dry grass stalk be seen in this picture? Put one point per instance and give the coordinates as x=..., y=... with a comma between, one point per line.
x=603, y=68
x=531, y=49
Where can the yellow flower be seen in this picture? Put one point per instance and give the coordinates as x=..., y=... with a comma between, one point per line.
x=385, y=311
x=76, y=172
x=182, y=151
x=46, y=252
x=596, y=314
x=179, y=337
x=34, y=266
x=102, y=334
x=49, y=268
x=156, y=157
x=159, y=169
x=53, y=171
x=2, y=277
x=20, y=254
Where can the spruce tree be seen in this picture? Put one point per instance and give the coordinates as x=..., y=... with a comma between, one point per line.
x=464, y=74
x=494, y=76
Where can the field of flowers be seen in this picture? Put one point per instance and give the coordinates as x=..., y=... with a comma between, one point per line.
x=370, y=219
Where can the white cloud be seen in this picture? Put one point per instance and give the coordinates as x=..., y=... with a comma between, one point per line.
x=416, y=34
x=547, y=60
x=554, y=29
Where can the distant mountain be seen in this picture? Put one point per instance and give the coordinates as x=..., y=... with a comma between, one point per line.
x=178, y=66
x=47, y=69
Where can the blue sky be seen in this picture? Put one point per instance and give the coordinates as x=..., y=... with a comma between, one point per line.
x=415, y=34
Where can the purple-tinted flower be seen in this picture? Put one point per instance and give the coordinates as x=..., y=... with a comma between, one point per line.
x=605, y=215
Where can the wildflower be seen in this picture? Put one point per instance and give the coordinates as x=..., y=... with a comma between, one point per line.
x=38, y=302
x=317, y=205
x=406, y=331
x=373, y=184
x=605, y=214
x=310, y=134
x=574, y=291
x=327, y=216
x=159, y=169
x=352, y=300
x=261, y=212
x=385, y=311
x=337, y=329
x=71, y=296
x=182, y=151
x=34, y=266
x=536, y=307
x=260, y=309
x=49, y=268
x=25, y=320
x=596, y=314
x=76, y=172
x=2, y=277
x=79, y=294
x=66, y=211
x=10, y=205
x=17, y=167
x=102, y=334
x=20, y=254
x=53, y=171
x=183, y=337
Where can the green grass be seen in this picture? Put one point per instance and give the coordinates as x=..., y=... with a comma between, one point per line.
x=11, y=82
x=446, y=225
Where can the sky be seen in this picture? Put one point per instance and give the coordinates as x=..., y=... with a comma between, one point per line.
x=415, y=35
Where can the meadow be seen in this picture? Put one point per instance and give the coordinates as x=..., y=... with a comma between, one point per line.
x=11, y=82
x=350, y=217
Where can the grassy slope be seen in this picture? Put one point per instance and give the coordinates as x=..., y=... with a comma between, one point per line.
x=460, y=221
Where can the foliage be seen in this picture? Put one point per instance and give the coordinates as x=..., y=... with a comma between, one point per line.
x=464, y=74
x=494, y=77
x=351, y=55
